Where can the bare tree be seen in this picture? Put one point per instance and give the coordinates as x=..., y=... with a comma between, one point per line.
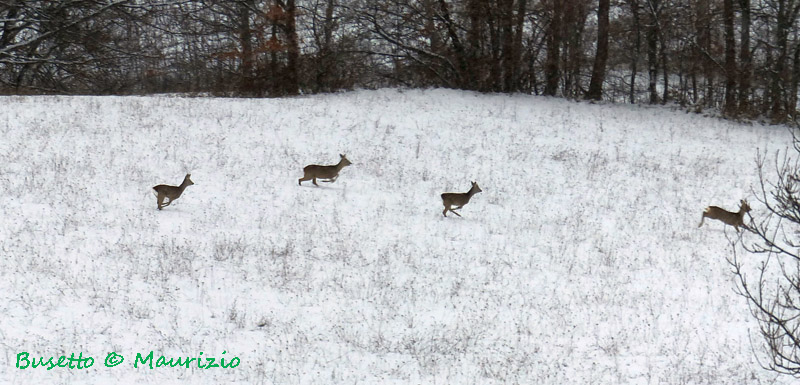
x=769, y=279
x=57, y=46
x=785, y=17
x=601, y=57
x=745, y=60
x=636, y=43
x=289, y=27
x=552, y=71
x=730, y=59
x=653, y=12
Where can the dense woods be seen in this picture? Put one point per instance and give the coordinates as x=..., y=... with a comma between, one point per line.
x=739, y=56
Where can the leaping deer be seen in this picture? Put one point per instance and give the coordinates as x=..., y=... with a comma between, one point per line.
x=326, y=173
x=458, y=199
x=164, y=191
x=727, y=217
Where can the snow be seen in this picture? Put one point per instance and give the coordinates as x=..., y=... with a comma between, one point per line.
x=579, y=263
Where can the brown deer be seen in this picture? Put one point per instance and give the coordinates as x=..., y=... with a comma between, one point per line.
x=326, y=173
x=727, y=217
x=458, y=199
x=171, y=192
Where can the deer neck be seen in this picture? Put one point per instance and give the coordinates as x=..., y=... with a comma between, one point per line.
x=184, y=185
x=471, y=192
x=339, y=166
x=742, y=211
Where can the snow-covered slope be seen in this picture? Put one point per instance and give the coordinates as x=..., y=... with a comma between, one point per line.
x=579, y=263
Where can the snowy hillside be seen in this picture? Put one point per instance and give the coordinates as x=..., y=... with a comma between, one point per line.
x=579, y=263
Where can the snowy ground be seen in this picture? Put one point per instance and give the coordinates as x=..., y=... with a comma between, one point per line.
x=579, y=263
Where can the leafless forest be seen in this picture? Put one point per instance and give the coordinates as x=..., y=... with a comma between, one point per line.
x=739, y=56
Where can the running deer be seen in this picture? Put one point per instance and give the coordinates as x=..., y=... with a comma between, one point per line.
x=458, y=199
x=727, y=217
x=326, y=173
x=171, y=192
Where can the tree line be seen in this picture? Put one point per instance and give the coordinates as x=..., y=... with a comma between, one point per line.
x=739, y=56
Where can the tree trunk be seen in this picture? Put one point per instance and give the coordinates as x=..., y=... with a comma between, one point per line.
x=292, y=50
x=246, y=71
x=778, y=72
x=703, y=49
x=274, y=86
x=652, y=51
x=787, y=13
x=466, y=77
x=730, y=59
x=601, y=57
x=507, y=22
x=664, y=65
x=551, y=67
x=472, y=65
x=494, y=83
x=326, y=60
x=794, y=88
x=634, y=4
x=516, y=57
x=745, y=60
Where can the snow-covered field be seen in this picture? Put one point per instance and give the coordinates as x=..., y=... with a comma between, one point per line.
x=579, y=263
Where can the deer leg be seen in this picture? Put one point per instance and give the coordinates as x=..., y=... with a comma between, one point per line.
x=169, y=202
x=315, y=181
x=702, y=219
x=449, y=208
x=160, y=199
x=303, y=179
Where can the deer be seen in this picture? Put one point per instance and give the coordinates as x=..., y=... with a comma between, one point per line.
x=727, y=217
x=325, y=173
x=164, y=191
x=458, y=199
